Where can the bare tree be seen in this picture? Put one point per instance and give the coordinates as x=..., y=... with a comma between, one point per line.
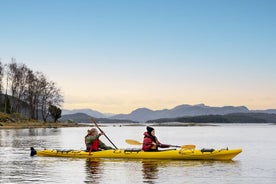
x=49, y=95
x=1, y=76
x=31, y=93
x=17, y=76
x=12, y=73
x=29, y=89
x=40, y=94
x=2, y=71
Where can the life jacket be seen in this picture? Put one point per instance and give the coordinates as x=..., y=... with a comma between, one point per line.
x=95, y=145
x=148, y=142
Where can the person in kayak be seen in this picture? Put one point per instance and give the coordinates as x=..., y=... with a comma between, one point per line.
x=93, y=142
x=151, y=142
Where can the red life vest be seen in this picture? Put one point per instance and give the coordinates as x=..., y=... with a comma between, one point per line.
x=151, y=143
x=95, y=145
x=148, y=142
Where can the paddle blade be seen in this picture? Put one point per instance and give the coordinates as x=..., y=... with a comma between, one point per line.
x=133, y=142
x=188, y=146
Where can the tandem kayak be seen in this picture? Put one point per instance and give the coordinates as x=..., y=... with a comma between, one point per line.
x=171, y=154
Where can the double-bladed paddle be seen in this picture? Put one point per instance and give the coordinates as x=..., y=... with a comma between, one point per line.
x=187, y=146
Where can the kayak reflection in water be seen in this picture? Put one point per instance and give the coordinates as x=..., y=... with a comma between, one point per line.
x=93, y=166
x=94, y=171
x=150, y=171
x=151, y=142
x=93, y=142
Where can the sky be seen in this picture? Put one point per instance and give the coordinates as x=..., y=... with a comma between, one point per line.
x=115, y=56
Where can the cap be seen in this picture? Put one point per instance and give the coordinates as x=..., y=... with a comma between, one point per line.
x=92, y=130
x=149, y=129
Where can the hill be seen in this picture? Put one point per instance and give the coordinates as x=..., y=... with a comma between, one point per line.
x=144, y=114
x=89, y=112
x=228, y=118
x=84, y=118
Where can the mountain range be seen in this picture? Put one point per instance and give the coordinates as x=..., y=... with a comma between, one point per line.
x=145, y=114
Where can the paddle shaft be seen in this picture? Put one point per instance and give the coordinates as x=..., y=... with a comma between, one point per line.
x=130, y=141
x=102, y=132
x=135, y=142
x=175, y=146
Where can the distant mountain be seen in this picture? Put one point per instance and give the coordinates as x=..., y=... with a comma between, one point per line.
x=144, y=114
x=141, y=115
x=89, y=112
x=76, y=117
x=84, y=118
x=227, y=118
x=271, y=111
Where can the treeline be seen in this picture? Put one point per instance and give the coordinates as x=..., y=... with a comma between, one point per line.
x=84, y=118
x=28, y=92
x=228, y=118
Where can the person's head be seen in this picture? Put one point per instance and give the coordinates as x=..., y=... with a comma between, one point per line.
x=150, y=131
x=92, y=131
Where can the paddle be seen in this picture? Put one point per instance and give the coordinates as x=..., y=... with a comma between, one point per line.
x=92, y=120
x=134, y=142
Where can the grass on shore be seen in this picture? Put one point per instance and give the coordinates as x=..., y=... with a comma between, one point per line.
x=37, y=124
x=16, y=121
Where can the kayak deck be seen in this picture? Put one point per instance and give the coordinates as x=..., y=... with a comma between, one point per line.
x=175, y=154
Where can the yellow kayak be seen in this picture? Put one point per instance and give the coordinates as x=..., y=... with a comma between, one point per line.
x=172, y=154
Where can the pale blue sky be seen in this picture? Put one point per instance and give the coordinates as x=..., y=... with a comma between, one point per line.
x=116, y=56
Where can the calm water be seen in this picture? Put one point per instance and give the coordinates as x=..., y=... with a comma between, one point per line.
x=256, y=164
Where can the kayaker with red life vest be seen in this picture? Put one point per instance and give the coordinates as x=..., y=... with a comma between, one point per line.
x=93, y=142
x=151, y=142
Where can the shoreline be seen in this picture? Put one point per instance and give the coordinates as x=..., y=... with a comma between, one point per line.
x=26, y=125
x=30, y=124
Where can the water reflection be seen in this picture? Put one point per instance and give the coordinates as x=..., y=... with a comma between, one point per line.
x=22, y=138
x=93, y=170
x=149, y=171
x=16, y=166
x=153, y=170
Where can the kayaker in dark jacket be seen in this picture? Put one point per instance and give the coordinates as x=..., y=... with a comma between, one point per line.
x=93, y=142
x=151, y=142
